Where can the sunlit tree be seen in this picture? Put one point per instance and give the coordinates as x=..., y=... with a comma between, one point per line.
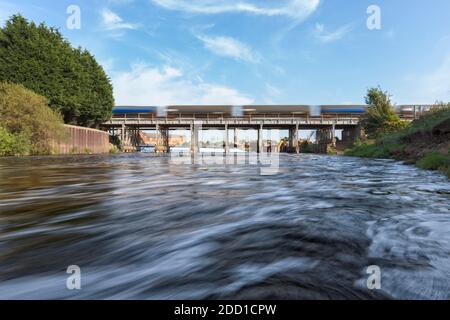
x=39, y=58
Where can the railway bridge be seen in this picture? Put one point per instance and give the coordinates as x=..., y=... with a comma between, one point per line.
x=128, y=122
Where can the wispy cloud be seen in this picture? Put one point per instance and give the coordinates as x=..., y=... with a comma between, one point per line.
x=271, y=94
x=297, y=9
x=112, y=21
x=229, y=47
x=427, y=87
x=146, y=85
x=324, y=36
x=436, y=85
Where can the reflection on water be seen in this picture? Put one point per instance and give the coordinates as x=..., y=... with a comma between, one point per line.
x=141, y=226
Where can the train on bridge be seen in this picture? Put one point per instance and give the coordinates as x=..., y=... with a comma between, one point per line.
x=228, y=111
x=281, y=111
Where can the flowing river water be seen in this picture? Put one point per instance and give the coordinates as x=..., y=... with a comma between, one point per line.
x=143, y=226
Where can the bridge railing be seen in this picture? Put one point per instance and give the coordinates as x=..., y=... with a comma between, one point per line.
x=237, y=121
x=213, y=117
x=266, y=118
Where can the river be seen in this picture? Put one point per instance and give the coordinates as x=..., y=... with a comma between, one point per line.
x=143, y=226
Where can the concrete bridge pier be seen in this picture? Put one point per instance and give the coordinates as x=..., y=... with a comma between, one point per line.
x=351, y=134
x=326, y=137
x=194, y=138
x=293, y=139
x=162, y=141
x=333, y=135
x=260, y=147
x=122, y=134
x=135, y=137
x=227, y=140
x=129, y=137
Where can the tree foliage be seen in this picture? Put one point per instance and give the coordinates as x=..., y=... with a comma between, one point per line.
x=28, y=124
x=13, y=144
x=42, y=60
x=381, y=118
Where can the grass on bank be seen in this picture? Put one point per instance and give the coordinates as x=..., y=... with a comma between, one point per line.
x=435, y=161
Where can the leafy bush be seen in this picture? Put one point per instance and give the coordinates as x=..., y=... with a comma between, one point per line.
x=26, y=116
x=381, y=118
x=114, y=149
x=390, y=127
x=13, y=144
x=43, y=61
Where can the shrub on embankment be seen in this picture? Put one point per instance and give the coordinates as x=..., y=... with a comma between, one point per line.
x=13, y=144
x=27, y=123
x=39, y=58
x=424, y=142
x=380, y=118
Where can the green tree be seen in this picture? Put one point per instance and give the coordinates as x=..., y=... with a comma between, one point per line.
x=42, y=60
x=381, y=117
x=28, y=124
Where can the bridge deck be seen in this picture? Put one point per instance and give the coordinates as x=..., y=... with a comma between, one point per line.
x=233, y=122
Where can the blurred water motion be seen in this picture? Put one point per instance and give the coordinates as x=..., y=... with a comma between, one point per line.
x=142, y=227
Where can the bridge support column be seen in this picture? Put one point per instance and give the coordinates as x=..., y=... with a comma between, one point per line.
x=297, y=137
x=227, y=140
x=194, y=139
x=351, y=134
x=235, y=138
x=162, y=143
x=333, y=135
x=122, y=135
x=260, y=147
x=293, y=139
x=135, y=137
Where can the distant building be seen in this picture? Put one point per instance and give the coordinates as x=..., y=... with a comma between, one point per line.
x=150, y=138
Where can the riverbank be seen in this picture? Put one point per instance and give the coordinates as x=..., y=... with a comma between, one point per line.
x=425, y=143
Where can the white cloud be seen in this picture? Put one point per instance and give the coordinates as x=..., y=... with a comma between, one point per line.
x=435, y=86
x=325, y=36
x=112, y=21
x=229, y=47
x=145, y=85
x=297, y=9
x=426, y=88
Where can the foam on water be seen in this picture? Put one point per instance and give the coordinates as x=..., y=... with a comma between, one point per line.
x=146, y=227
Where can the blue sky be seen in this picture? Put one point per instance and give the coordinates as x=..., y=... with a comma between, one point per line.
x=160, y=52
